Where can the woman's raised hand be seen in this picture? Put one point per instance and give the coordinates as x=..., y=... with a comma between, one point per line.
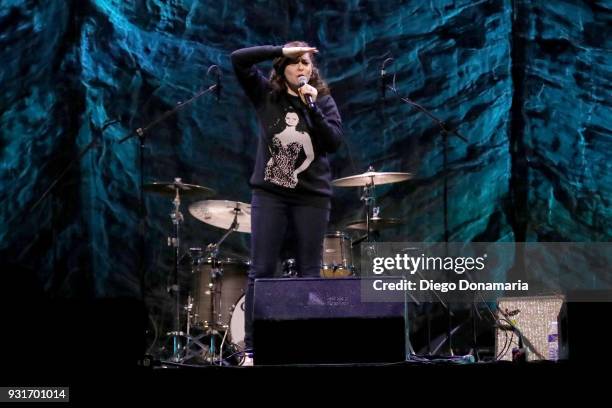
x=294, y=52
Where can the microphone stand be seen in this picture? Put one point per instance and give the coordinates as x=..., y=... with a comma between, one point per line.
x=445, y=131
x=141, y=134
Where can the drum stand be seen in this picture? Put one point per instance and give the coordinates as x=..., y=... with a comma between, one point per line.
x=213, y=249
x=369, y=200
x=216, y=327
x=217, y=272
x=174, y=241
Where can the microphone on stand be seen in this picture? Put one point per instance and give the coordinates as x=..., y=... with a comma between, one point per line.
x=303, y=81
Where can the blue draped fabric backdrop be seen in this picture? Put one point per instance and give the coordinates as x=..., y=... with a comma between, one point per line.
x=527, y=82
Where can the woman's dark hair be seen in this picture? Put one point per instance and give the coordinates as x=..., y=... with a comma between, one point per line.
x=277, y=77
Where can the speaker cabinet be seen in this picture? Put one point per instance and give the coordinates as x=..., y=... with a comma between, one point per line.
x=324, y=321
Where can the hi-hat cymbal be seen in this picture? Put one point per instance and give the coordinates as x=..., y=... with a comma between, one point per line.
x=221, y=214
x=184, y=189
x=371, y=178
x=376, y=224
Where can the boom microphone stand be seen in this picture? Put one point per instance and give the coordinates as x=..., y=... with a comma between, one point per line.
x=445, y=132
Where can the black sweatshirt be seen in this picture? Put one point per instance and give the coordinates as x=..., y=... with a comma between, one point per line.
x=294, y=140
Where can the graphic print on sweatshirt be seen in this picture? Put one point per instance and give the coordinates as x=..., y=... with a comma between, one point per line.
x=285, y=147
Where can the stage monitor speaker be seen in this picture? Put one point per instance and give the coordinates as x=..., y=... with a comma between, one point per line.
x=539, y=320
x=324, y=321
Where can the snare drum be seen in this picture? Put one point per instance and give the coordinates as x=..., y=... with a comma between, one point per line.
x=216, y=289
x=337, y=256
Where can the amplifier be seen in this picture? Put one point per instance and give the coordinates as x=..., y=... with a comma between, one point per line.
x=539, y=321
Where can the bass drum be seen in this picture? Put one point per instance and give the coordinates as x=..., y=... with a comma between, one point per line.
x=236, y=327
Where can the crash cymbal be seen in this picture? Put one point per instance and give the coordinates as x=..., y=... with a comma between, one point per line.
x=221, y=214
x=371, y=178
x=170, y=188
x=376, y=224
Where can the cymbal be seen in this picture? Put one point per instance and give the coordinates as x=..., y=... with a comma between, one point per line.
x=376, y=223
x=221, y=214
x=169, y=188
x=371, y=177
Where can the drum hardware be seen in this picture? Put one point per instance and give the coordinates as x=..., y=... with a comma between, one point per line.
x=368, y=181
x=227, y=215
x=217, y=290
x=188, y=308
x=170, y=189
x=208, y=348
x=175, y=188
x=337, y=256
x=217, y=284
x=373, y=223
x=376, y=224
x=372, y=178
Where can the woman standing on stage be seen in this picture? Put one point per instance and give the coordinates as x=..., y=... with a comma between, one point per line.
x=291, y=181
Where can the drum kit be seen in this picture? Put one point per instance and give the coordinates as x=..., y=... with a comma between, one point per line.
x=214, y=309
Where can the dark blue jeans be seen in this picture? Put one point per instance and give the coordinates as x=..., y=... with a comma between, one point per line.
x=271, y=218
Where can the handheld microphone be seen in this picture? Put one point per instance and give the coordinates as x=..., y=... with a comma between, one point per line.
x=303, y=81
